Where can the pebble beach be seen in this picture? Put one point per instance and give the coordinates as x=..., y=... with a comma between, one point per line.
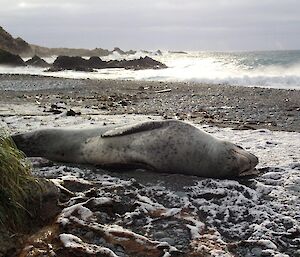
x=142, y=213
x=220, y=105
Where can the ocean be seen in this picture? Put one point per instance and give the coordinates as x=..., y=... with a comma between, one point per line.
x=271, y=69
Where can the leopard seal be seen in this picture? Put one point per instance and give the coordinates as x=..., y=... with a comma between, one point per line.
x=169, y=146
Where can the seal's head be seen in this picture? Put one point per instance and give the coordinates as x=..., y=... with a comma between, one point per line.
x=238, y=162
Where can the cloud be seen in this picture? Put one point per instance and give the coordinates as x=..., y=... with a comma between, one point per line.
x=177, y=24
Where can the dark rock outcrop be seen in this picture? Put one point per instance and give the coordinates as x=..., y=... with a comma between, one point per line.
x=80, y=64
x=131, y=52
x=37, y=62
x=96, y=63
x=143, y=63
x=118, y=50
x=9, y=59
x=158, y=52
x=121, y=52
x=75, y=63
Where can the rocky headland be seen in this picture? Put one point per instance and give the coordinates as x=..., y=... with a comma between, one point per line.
x=14, y=45
x=20, y=47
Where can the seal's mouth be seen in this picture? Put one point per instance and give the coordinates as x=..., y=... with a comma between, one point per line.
x=246, y=162
x=251, y=172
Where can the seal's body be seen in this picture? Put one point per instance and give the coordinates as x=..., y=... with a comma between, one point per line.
x=165, y=146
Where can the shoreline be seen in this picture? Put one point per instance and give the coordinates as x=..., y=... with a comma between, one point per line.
x=219, y=105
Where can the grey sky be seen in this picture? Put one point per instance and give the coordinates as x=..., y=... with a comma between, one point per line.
x=156, y=24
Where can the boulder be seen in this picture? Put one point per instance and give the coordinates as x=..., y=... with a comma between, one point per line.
x=70, y=63
x=131, y=52
x=118, y=50
x=158, y=52
x=37, y=62
x=77, y=63
x=9, y=59
x=143, y=63
x=96, y=63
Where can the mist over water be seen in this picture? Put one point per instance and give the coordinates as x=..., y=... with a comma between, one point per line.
x=275, y=69
x=272, y=69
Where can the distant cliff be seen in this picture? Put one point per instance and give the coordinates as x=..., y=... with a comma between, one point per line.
x=21, y=47
x=14, y=45
x=45, y=51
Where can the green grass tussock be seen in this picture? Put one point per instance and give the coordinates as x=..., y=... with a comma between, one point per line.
x=15, y=183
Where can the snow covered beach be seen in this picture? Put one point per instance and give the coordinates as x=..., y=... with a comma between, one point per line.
x=140, y=213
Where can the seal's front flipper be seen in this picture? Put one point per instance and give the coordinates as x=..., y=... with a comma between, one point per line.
x=135, y=128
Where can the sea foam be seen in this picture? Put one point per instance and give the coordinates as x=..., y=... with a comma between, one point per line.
x=273, y=69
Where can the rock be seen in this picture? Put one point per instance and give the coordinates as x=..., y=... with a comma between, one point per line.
x=56, y=108
x=169, y=240
x=72, y=113
x=70, y=63
x=124, y=103
x=37, y=62
x=142, y=63
x=85, y=69
x=119, y=51
x=47, y=201
x=158, y=52
x=54, y=111
x=79, y=64
x=96, y=63
x=6, y=58
x=244, y=127
x=256, y=251
x=103, y=107
x=131, y=52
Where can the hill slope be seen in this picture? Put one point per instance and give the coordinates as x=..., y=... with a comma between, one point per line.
x=14, y=45
x=21, y=47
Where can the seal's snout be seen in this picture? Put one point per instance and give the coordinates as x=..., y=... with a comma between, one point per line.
x=246, y=162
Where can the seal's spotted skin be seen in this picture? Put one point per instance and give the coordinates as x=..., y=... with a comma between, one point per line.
x=164, y=146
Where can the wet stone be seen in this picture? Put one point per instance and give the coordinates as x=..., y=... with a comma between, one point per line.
x=169, y=240
x=158, y=235
x=102, y=217
x=256, y=251
x=89, y=235
x=120, y=251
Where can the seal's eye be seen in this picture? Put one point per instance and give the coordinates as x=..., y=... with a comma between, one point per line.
x=239, y=146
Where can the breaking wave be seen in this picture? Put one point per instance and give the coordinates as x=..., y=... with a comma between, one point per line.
x=272, y=69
